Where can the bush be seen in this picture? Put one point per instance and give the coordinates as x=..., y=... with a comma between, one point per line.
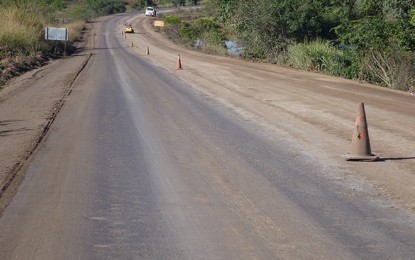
x=350, y=62
x=172, y=20
x=172, y=28
x=393, y=69
x=207, y=31
x=344, y=61
x=75, y=29
x=16, y=43
x=318, y=55
x=203, y=33
x=20, y=32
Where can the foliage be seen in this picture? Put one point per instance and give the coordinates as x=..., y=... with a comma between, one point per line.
x=266, y=28
x=376, y=33
x=142, y=3
x=322, y=56
x=90, y=9
x=222, y=10
x=301, y=33
x=350, y=63
x=172, y=20
x=394, y=69
x=21, y=29
x=379, y=24
x=202, y=33
x=22, y=22
x=207, y=31
x=184, y=2
x=318, y=55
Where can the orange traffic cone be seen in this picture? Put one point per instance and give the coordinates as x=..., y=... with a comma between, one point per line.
x=178, y=63
x=360, y=140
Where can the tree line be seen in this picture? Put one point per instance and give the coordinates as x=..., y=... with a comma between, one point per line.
x=373, y=40
x=370, y=40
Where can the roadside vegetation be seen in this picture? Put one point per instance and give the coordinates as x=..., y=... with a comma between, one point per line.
x=368, y=40
x=192, y=28
x=22, y=26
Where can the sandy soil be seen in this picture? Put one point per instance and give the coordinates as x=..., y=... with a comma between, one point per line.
x=316, y=111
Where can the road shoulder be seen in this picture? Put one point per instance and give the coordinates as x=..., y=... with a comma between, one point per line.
x=28, y=106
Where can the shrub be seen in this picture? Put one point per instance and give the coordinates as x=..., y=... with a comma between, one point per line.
x=172, y=20
x=344, y=60
x=207, y=31
x=20, y=32
x=172, y=27
x=318, y=55
x=202, y=33
x=393, y=69
x=350, y=62
x=75, y=29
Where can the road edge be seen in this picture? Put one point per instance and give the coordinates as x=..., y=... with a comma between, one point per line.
x=16, y=175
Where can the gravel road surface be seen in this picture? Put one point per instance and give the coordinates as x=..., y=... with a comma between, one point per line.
x=221, y=160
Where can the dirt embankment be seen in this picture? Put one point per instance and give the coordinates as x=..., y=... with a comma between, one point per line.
x=13, y=67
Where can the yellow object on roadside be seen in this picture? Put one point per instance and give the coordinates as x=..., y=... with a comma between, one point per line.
x=128, y=28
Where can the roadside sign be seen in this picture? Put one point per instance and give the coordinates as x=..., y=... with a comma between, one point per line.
x=159, y=23
x=56, y=34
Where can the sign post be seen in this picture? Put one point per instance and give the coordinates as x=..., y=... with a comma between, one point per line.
x=57, y=34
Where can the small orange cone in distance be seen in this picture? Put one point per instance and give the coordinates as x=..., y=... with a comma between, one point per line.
x=360, y=140
x=178, y=63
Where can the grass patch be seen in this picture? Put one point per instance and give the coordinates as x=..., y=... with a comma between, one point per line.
x=317, y=55
x=322, y=56
x=20, y=33
x=75, y=28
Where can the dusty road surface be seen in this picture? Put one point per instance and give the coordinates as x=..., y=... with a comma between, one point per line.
x=220, y=160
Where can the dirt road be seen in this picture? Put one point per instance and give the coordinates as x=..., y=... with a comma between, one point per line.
x=317, y=111
x=222, y=159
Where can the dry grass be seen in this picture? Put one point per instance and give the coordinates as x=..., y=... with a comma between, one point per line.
x=75, y=29
x=20, y=32
x=22, y=44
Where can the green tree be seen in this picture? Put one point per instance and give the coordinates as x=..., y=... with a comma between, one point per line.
x=379, y=24
x=178, y=2
x=223, y=10
x=265, y=28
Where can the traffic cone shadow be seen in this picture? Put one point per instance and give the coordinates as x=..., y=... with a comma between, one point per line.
x=361, y=150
